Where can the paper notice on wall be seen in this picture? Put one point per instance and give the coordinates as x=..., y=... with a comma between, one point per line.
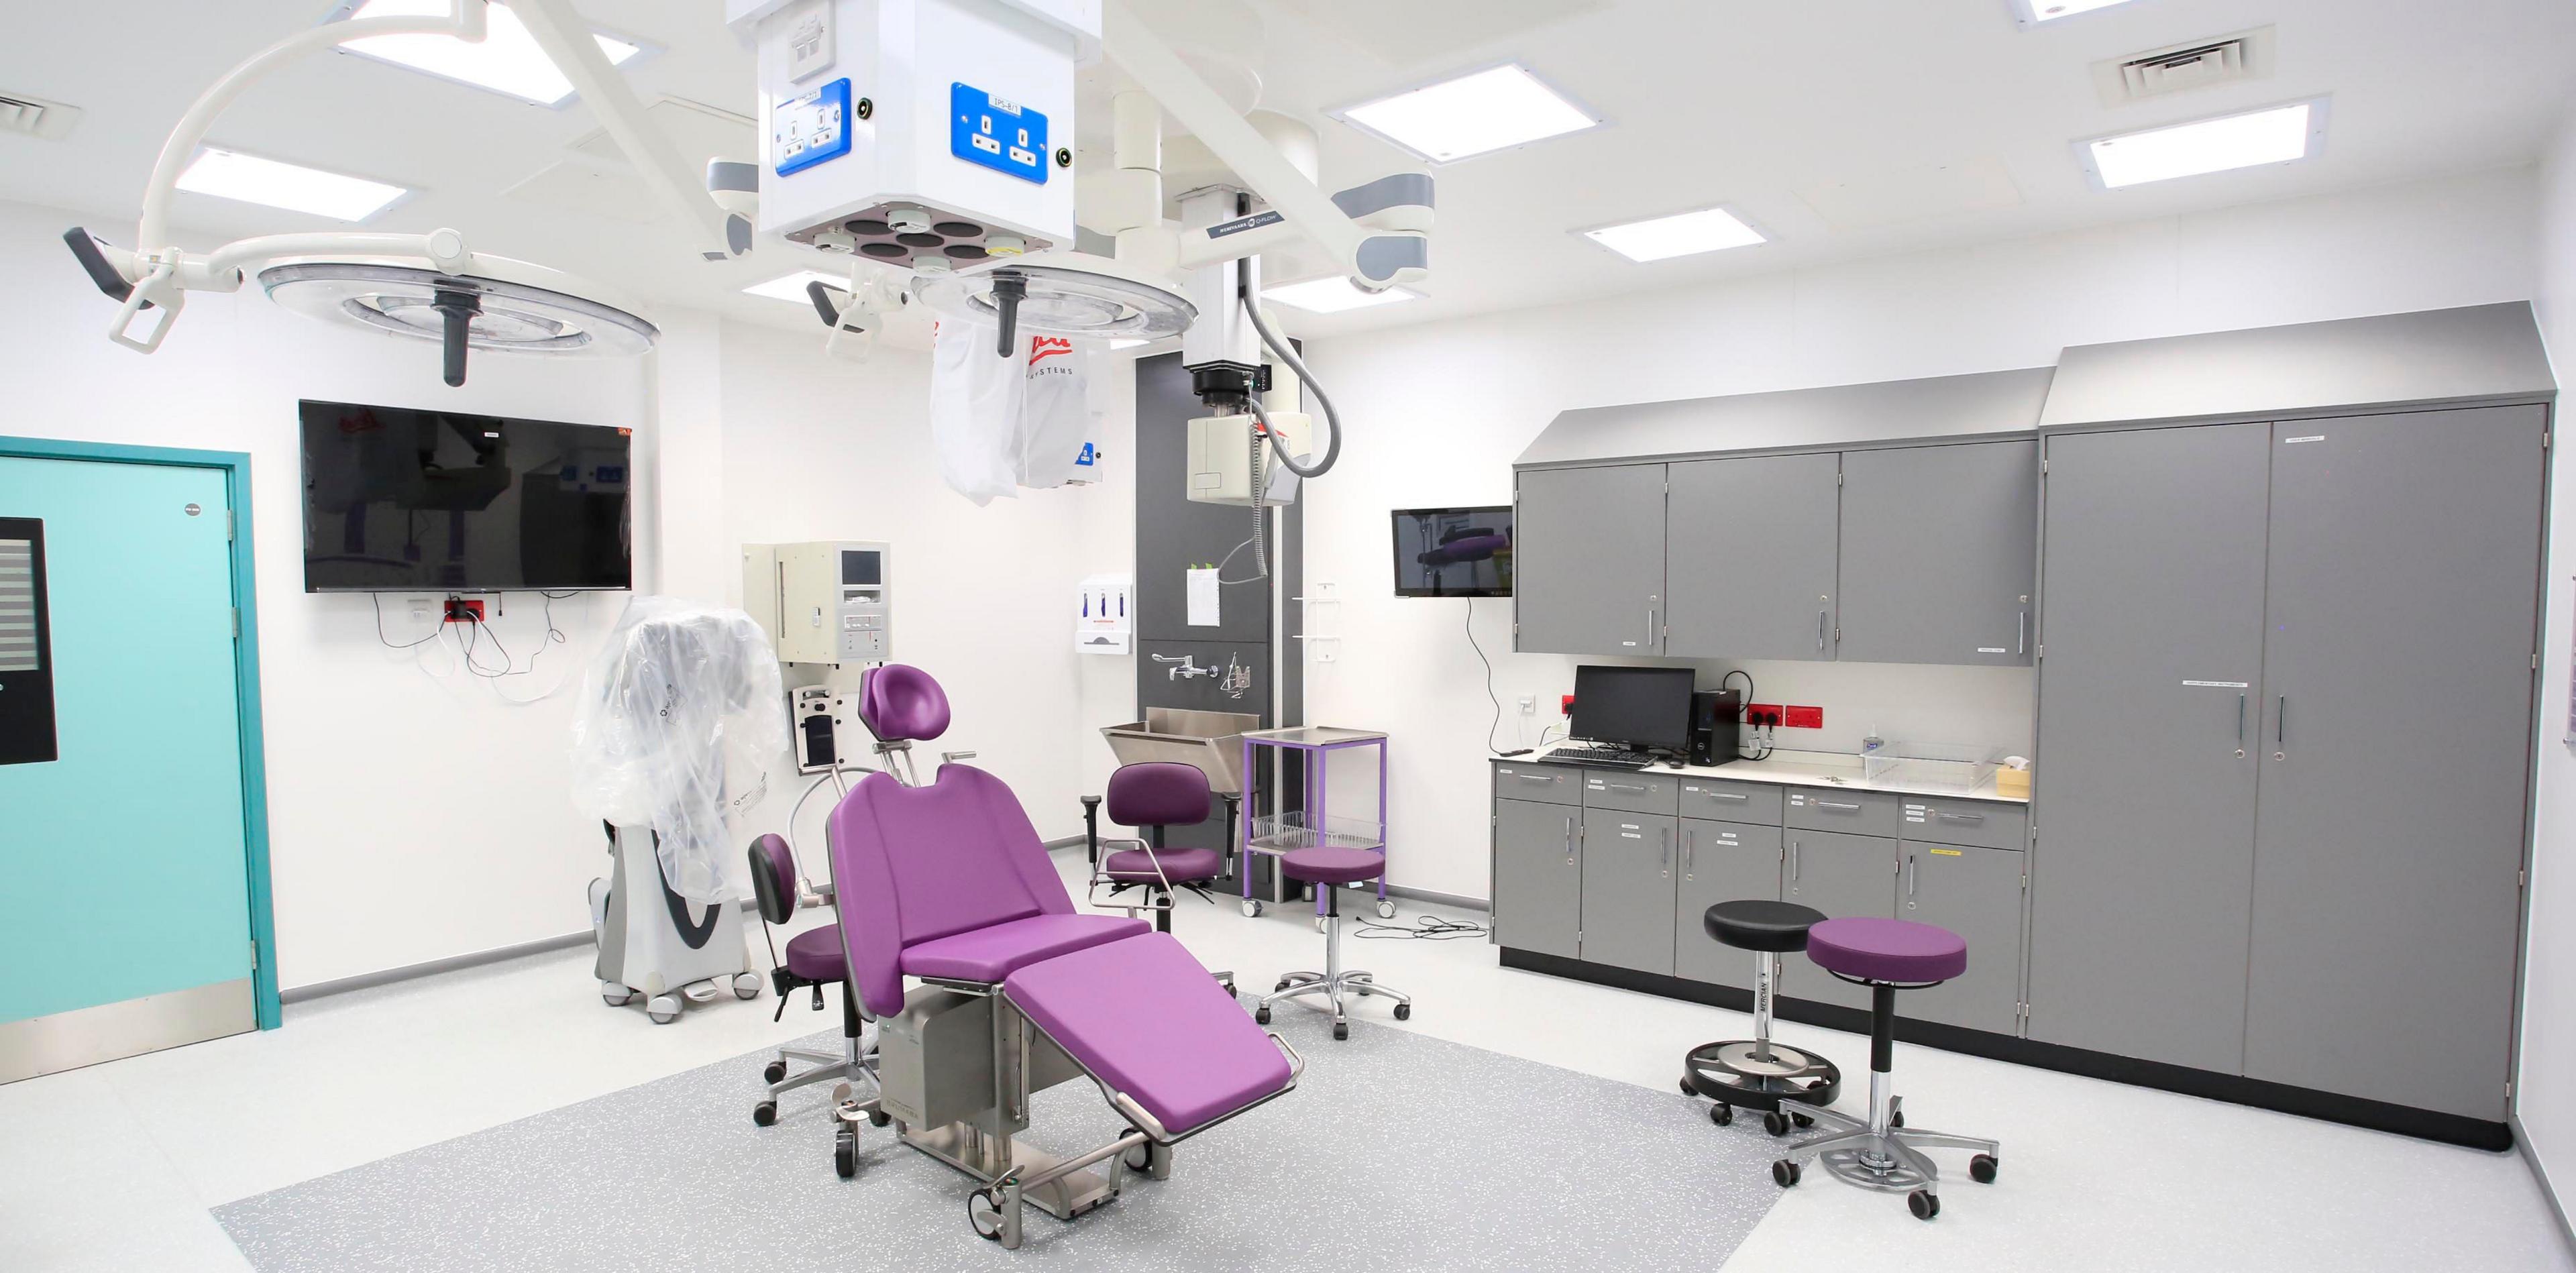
x=1203, y=591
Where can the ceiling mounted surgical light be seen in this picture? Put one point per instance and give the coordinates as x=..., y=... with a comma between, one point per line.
x=1069, y=294
x=429, y=286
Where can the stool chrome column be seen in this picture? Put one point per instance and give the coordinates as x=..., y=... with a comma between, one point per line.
x=1328, y=869
x=1758, y=1073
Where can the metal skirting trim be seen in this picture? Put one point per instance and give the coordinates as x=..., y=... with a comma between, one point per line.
x=2540, y=1174
x=110, y=1031
x=386, y=977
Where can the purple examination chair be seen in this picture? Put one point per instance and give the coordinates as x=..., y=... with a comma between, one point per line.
x=948, y=882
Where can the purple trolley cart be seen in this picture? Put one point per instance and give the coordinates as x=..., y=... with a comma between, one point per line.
x=1278, y=832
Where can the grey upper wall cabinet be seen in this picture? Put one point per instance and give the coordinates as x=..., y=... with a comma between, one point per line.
x=2154, y=627
x=1750, y=557
x=1938, y=545
x=1588, y=574
x=2397, y=681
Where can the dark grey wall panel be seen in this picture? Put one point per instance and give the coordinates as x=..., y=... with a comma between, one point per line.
x=2405, y=553
x=1938, y=545
x=2153, y=630
x=1174, y=532
x=2445, y=355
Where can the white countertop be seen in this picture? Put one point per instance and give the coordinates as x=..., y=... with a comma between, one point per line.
x=1807, y=769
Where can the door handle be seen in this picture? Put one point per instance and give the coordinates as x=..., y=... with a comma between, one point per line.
x=2021, y=633
x=1569, y=841
x=1626, y=786
x=1820, y=631
x=1948, y=816
x=1794, y=872
x=1546, y=778
x=1650, y=627
x=1690, y=842
x=1728, y=795
x=2281, y=728
x=1664, y=861
x=1836, y=804
x=1909, y=880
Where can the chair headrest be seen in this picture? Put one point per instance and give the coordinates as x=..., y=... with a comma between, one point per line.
x=1158, y=793
x=901, y=703
x=773, y=877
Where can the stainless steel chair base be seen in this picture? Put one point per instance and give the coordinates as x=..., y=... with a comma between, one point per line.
x=1878, y=1154
x=1333, y=983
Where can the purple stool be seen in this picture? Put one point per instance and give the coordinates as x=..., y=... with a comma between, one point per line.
x=1328, y=869
x=814, y=959
x=1886, y=955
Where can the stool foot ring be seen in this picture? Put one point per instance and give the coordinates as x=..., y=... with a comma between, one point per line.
x=1733, y=1073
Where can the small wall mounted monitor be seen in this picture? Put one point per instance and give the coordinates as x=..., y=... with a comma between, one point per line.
x=1453, y=552
x=399, y=500
x=1641, y=707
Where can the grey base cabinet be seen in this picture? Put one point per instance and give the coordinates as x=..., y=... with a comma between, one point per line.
x=1840, y=875
x=1721, y=862
x=1976, y=893
x=1538, y=879
x=1628, y=865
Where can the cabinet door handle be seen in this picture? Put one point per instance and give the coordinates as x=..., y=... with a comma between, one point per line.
x=1909, y=880
x=1569, y=840
x=1650, y=628
x=1664, y=861
x=2021, y=633
x=1958, y=817
x=1690, y=842
x=1627, y=786
x=1728, y=795
x=2240, y=718
x=1820, y=630
x=1546, y=778
x=1836, y=804
x=2281, y=723
x=1794, y=872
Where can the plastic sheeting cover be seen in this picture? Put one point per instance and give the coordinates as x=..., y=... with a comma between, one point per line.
x=680, y=713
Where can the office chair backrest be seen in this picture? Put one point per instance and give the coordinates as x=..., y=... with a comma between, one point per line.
x=773, y=878
x=1158, y=793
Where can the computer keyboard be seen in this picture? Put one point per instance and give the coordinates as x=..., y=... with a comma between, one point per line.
x=1599, y=757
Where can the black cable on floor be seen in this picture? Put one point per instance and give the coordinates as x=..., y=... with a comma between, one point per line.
x=1424, y=928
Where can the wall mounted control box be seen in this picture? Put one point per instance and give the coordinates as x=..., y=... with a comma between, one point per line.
x=823, y=602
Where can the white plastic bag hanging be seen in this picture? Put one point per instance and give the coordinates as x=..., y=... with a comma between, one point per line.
x=680, y=714
x=975, y=409
x=1056, y=415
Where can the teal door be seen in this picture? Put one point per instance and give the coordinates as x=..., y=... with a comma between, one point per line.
x=123, y=820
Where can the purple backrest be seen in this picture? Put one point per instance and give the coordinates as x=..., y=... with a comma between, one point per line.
x=900, y=703
x=914, y=864
x=1158, y=793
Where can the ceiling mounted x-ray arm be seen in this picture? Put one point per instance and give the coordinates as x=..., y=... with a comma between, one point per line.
x=544, y=309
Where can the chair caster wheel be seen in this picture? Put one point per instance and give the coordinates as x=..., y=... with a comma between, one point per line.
x=845, y=1152
x=615, y=995
x=1785, y=1173
x=1776, y=1123
x=1924, y=1203
x=1687, y=1089
x=1341, y=1030
x=746, y=985
x=1251, y=909
x=879, y=1118
x=1802, y=1120
x=1404, y=1012
x=1137, y=1158
x=1385, y=908
x=1261, y=1016
x=775, y=1071
x=765, y=1113
x=663, y=1009
x=984, y=1215
x=1722, y=1115
x=1982, y=1169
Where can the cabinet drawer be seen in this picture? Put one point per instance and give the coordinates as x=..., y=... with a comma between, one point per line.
x=1555, y=784
x=1631, y=792
x=1973, y=822
x=1754, y=802
x=1850, y=812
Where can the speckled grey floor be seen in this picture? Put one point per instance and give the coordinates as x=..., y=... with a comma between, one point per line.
x=1396, y=1151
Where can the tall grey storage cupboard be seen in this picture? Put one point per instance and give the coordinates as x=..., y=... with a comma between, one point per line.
x=2285, y=717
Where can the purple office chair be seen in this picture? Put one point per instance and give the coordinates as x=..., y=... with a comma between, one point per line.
x=1151, y=797
x=948, y=882
x=1882, y=1153
x=813, y=961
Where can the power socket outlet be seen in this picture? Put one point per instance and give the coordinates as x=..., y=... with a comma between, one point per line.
x=421, y=609
x=1529, y=704
x=464, y=610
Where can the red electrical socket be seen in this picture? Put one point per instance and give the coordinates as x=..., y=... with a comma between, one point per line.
x=464, y=610
x=1761, y=714
x=1565, y=704
x=1806, y=718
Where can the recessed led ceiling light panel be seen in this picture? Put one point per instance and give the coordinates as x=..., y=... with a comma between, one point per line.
x=507, y=60
x=1684, y=234
x=1333, y=295
x=2248, y=139
x=1472, y=114
x=791, y=287
x=2031, y=13
x=229, y=174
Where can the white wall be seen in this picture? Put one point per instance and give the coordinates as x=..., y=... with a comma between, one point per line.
x=1438, y=412
x=413, y=813
x=2545, y=1090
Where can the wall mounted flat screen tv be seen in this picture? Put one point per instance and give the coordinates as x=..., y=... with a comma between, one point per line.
x=397, y=500
x=1453, y=552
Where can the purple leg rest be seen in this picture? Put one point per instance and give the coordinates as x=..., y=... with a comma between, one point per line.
x=1151, y=1023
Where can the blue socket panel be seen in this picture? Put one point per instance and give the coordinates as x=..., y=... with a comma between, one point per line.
x=997, y=133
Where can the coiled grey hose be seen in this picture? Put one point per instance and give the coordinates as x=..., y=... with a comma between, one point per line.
x=1332, y=420
x=1260, y=513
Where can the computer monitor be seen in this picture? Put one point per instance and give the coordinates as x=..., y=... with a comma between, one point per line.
x=1635, y=706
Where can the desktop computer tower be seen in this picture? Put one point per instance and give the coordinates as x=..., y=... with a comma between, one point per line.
x=1716, y=726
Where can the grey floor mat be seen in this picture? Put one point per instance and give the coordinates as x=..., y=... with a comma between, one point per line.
x=1397, y=1151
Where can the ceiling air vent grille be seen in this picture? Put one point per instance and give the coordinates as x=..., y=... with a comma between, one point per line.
x=36, y=117
x=2229, y=59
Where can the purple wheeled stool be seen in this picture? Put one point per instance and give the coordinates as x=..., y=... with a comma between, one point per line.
x=1886, y=955
x=1328, y=869
x=1757, y=1073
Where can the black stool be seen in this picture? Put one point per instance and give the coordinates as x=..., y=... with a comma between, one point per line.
x=1757, y=1073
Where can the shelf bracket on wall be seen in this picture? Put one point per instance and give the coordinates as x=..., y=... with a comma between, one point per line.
x=1323, y=609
